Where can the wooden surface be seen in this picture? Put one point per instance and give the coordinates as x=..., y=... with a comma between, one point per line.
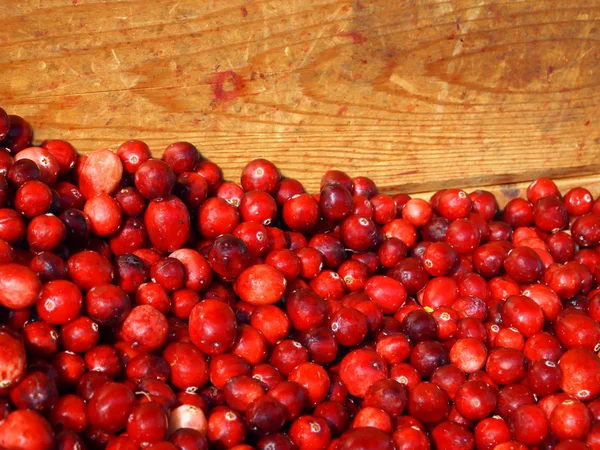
x=416, y=94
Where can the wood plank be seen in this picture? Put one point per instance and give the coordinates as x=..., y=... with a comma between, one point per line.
x=418, y=95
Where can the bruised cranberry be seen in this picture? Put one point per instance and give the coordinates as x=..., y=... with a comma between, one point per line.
x=524, y=265
x=420, y=326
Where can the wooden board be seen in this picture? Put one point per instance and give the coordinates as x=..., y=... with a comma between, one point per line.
x=417, y=94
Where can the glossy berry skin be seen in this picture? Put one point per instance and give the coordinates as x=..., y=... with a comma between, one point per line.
x=213, y=327
x=13, y=361
x=109, y=407
x=147, y=423
x=19, y=286
x=361, y=368
x=26, y=429
x=60, y=302
x=167, y=221
x=145, y=327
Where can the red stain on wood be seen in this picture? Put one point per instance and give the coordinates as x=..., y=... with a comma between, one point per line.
x=244, y=11
x=587, y=123
x=227, y=85
x=356, y=37
x=342, y=110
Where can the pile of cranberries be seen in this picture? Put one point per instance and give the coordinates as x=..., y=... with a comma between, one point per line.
x=149, y=304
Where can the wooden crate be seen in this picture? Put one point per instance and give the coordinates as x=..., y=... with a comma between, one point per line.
x=416, y=94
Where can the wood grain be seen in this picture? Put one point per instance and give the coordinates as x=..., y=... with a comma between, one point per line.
x=417, y=94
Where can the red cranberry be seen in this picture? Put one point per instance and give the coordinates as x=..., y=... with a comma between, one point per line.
x=146, y=327
x=12, y=360
x=147, y=423
x=529, y=425
x=212, y=326
x=261, y=175
x=109, y=407
x=100, y=173
x=19, y=286
x=133, y=154
x=581, y=371
x=226, y=427
x=26, y=429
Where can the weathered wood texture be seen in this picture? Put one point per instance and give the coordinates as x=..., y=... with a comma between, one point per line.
x=416, y=94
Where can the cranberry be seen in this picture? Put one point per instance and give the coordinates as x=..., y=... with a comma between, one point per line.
x=188, y=439
x=59, y=302
x=439, y=258
x=491, y=432
x=578, y=201
x=529, y=425
x=100, y=173
x=226, y=427
x=505, y=365
x=265, y=415
x=19, y=286
x=212, y=326
x=511, y=396
x=314, y=379
x=147, y=423
x=4, y=124
x=586, y=230
x=261, y=175
x=580, y=369
x=26, y=429
x=47, y=163
x=12, y=360
x=216, y=217
x=167, y=221
x=109, y=407
x=360, y=368
x=292, y=396
x=146, y=327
